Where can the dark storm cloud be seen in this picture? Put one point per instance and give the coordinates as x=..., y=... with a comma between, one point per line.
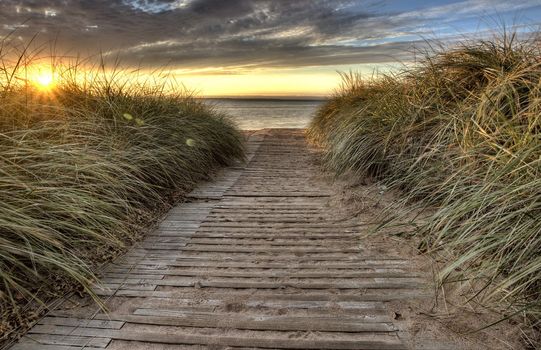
x=221, y=33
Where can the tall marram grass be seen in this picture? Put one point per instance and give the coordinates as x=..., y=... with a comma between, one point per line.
x=460, y=131
x=85, y=165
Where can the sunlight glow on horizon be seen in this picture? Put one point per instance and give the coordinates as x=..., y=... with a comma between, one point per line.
x=313, y=82
x=262, y=84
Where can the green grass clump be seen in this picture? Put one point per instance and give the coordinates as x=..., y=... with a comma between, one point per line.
x=86, y=165
x=459, y=131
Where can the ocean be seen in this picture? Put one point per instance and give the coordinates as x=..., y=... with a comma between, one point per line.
x=252, y=114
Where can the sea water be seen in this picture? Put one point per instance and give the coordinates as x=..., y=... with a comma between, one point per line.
x=252, y=114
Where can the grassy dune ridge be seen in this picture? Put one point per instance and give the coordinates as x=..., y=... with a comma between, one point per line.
x=85, y=166
x=460, y=131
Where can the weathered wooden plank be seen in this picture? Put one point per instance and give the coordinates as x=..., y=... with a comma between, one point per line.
x=153, y=274
x=316, y=231
x=175, y=224
x=171, y=232
x=257, y=207
x=315, y=304
x=380, y=295
x=386, y=343
x=275, y=258
x=266, y=301
x=66, y=340
x=244, y=254
x=206, y=225
x=168, y=255
x=278, y=214
x=346, y=324
x=275, y=193
x=262, y=220
x=126, y=273
x=142, y=284
x=269, y=241
x=265, y=249
x=36, y=346
x=164, y=246
x=78, y=322
x=271, y=264
x=107, y=287
x=259, y=234
x=304, y=285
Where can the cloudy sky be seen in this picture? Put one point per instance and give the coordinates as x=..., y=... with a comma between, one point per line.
x=260, y=47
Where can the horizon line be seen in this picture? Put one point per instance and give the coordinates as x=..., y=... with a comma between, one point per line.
x=267, y=97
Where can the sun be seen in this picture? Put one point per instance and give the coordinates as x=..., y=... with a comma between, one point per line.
x=43, y=79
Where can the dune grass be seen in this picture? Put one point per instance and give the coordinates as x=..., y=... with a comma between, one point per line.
x=459, y=132
x=85, y=166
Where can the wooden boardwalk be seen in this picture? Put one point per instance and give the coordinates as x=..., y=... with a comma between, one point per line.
x=258, y=258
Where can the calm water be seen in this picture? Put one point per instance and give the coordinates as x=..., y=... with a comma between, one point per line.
x=260, y=114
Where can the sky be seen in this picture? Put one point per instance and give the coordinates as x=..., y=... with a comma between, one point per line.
x=257, y=47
